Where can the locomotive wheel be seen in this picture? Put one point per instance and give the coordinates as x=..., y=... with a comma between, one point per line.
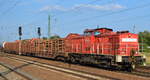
x=144, y=64
x=131, y=67
x=72, y=59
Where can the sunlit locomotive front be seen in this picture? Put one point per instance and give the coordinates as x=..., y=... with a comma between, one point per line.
x=105, y=47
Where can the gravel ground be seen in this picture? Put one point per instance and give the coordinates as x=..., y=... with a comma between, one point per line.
x=3, y=69
x=14, y=76
x=116, y=75
x=102, y=72
x=148, y=60
x=40, y=73
x=2, y=78
x=9, y=75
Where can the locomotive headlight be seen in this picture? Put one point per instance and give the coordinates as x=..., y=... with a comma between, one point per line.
x=136, y=52
x=144, y=60
x=144, y=56
x=123, y=52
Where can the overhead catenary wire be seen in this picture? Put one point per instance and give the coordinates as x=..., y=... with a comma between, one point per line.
x=131, y=18
x=13, y=6
x=33, y=21
x=7, y=10
x=115, y=12
x=91, y=2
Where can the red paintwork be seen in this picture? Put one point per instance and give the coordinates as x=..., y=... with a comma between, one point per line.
x=107, y=42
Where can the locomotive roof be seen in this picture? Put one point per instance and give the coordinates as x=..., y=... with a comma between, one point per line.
x=104, y=28
x=91, y=30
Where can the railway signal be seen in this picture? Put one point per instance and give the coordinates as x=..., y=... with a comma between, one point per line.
x=20, y=34
x=39, y=32
x=20, y=31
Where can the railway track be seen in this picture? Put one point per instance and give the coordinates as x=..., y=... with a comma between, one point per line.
x=142, y=71
x=16, y=71
x=80, y=73
x=144, y=68
x=137, y=72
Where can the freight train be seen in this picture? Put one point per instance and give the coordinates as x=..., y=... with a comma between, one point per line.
x=100, y=46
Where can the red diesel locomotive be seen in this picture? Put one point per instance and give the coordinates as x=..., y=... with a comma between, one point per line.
x=96, y=46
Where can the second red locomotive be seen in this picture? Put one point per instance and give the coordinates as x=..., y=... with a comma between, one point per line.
x=96, y=46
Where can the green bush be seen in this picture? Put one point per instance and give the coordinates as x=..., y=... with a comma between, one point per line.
x=144, y=40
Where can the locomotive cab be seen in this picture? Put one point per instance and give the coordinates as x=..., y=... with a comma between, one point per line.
x=121, y=48
x=128, y=50
x=98, y=31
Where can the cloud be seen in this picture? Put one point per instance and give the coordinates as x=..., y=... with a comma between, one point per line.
x=52, y=8
x=99, y=7
x=107, y=7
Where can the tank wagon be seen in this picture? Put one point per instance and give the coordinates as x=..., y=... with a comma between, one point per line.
x=100, y=46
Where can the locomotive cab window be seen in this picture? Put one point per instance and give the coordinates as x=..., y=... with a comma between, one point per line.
x=87, y=33
x=97, y=33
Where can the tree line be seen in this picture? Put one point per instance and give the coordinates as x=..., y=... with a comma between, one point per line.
x=144, y=40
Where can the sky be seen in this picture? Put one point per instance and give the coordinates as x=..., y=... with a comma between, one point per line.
x=71, y=16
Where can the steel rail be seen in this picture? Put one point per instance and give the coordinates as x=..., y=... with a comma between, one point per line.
x=79, y=73
x=17, y=71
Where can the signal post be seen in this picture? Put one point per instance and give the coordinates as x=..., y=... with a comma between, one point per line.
x=20, y=34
